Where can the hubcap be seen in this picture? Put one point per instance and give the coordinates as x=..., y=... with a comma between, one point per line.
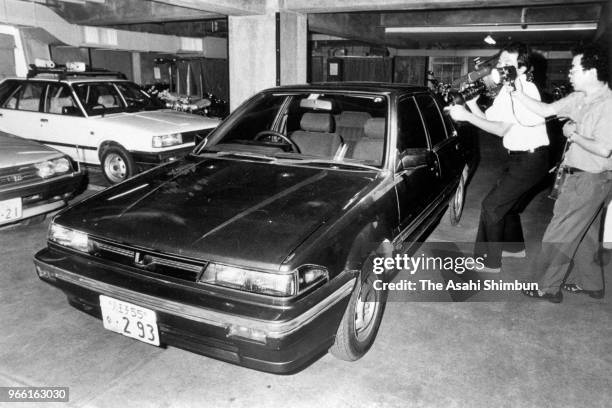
x=366, y=309
x=458, y=202
x=114, y=167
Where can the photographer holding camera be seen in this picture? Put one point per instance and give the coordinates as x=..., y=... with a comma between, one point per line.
x=573, y=234
x=526, y=141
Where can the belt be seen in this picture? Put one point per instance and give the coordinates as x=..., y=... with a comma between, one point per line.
x=537, y=149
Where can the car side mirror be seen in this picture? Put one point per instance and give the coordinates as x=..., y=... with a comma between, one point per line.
x=71, y=111
x=412, y=158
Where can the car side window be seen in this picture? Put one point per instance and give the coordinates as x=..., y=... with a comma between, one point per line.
x=410, y=130
x=432, y=117
x=60, y=101
x=7, y=88
x=26, y=97
x=98, y=98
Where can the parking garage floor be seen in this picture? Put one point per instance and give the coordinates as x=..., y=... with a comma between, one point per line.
x=513, y=353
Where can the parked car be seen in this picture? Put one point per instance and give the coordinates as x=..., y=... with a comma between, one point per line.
x=257, y=248
x=34, y=179
x=98, y=118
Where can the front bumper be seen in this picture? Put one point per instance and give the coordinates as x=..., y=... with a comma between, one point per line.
x=43, y=196
x=297, y=335
x=150, y=159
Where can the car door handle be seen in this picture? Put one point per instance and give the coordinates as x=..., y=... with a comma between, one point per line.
x=44, y=120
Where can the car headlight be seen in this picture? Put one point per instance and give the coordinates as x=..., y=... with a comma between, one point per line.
x=265, y=283
x=53, y=167
x=167, y=140
x=251, y=281
x=69, y=238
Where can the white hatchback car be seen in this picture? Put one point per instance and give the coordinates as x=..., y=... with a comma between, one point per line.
x=98, y=118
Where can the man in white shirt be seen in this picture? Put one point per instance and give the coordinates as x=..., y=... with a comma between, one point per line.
x=526, y=142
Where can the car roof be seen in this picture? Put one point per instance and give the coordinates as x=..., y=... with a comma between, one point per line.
x=368, y=87
x=54, y=78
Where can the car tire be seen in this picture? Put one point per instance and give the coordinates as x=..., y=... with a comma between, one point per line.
x=117, y=164
x=456, y=204
x=361, y=320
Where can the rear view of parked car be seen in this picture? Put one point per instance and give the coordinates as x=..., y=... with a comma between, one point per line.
x=98, y=118
x=34, y=179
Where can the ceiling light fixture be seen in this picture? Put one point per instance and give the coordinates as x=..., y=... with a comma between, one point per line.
x=491, y=28
x=489, y=40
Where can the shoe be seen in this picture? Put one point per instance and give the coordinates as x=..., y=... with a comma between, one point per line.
x=573, y=288
x=519, y=254
x=488, y=269
x=551, y=297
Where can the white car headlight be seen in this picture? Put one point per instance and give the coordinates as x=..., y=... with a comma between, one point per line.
x=251, y=281
x=53, y=167
x=69, y=238
x=265, y=283
x=167, y=140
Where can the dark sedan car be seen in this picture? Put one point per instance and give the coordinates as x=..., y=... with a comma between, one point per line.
x=257, y=248
x=34, y=179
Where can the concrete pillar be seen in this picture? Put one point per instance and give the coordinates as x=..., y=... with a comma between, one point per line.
x=293, y=48
x=136, y=68
x=252, y=56
x=252, y=53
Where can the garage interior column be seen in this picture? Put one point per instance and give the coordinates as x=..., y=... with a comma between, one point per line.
x=293, y=48
x=252, y=53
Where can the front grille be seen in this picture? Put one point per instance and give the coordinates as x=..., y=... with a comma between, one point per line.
x=18, y=174
x=148, y=261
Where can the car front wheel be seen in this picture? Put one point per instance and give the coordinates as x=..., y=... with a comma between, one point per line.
x=361, y=320
x=117, y=164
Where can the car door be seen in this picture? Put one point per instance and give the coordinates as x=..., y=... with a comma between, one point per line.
x=20, y=111
x=416, y=171
x=445, y=148
x=64, y=125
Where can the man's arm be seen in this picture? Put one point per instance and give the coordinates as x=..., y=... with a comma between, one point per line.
x=539, y=108
x=474, y=108
x=590, y=144
x=460, y=113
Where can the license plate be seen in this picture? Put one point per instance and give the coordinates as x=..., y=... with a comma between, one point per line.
x=130, y=320
x=10, y=209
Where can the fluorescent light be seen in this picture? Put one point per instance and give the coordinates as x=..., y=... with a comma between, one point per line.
x=490, y=28
x=489, y=40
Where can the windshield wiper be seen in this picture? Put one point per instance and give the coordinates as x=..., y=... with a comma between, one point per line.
x=333, y=163
x=250, y=155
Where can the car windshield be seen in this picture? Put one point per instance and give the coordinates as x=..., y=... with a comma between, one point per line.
x=315, y=128
x=101, y=98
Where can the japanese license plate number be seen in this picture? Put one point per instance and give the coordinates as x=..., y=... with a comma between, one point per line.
x=130, y=320
x=10, y=209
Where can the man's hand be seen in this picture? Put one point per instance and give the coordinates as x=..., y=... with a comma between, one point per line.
x=569, y=128
x=458, y=112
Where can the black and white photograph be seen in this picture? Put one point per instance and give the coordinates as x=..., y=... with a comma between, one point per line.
x=306, y=203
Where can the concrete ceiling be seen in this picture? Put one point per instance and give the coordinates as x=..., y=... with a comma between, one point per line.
x=398, y=23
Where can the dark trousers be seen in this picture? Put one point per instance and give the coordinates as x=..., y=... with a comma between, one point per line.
x=572, y=237
x=500, y=224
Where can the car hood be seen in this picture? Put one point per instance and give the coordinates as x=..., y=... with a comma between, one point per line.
x=159, y=122
x=16, y=151
x=226, y=210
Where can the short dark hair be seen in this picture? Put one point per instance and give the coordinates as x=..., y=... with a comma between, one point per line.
x=594, y=55
x=523, y=51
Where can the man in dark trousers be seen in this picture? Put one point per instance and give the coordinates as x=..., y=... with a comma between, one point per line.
x=573, y=235
x=526, y=162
